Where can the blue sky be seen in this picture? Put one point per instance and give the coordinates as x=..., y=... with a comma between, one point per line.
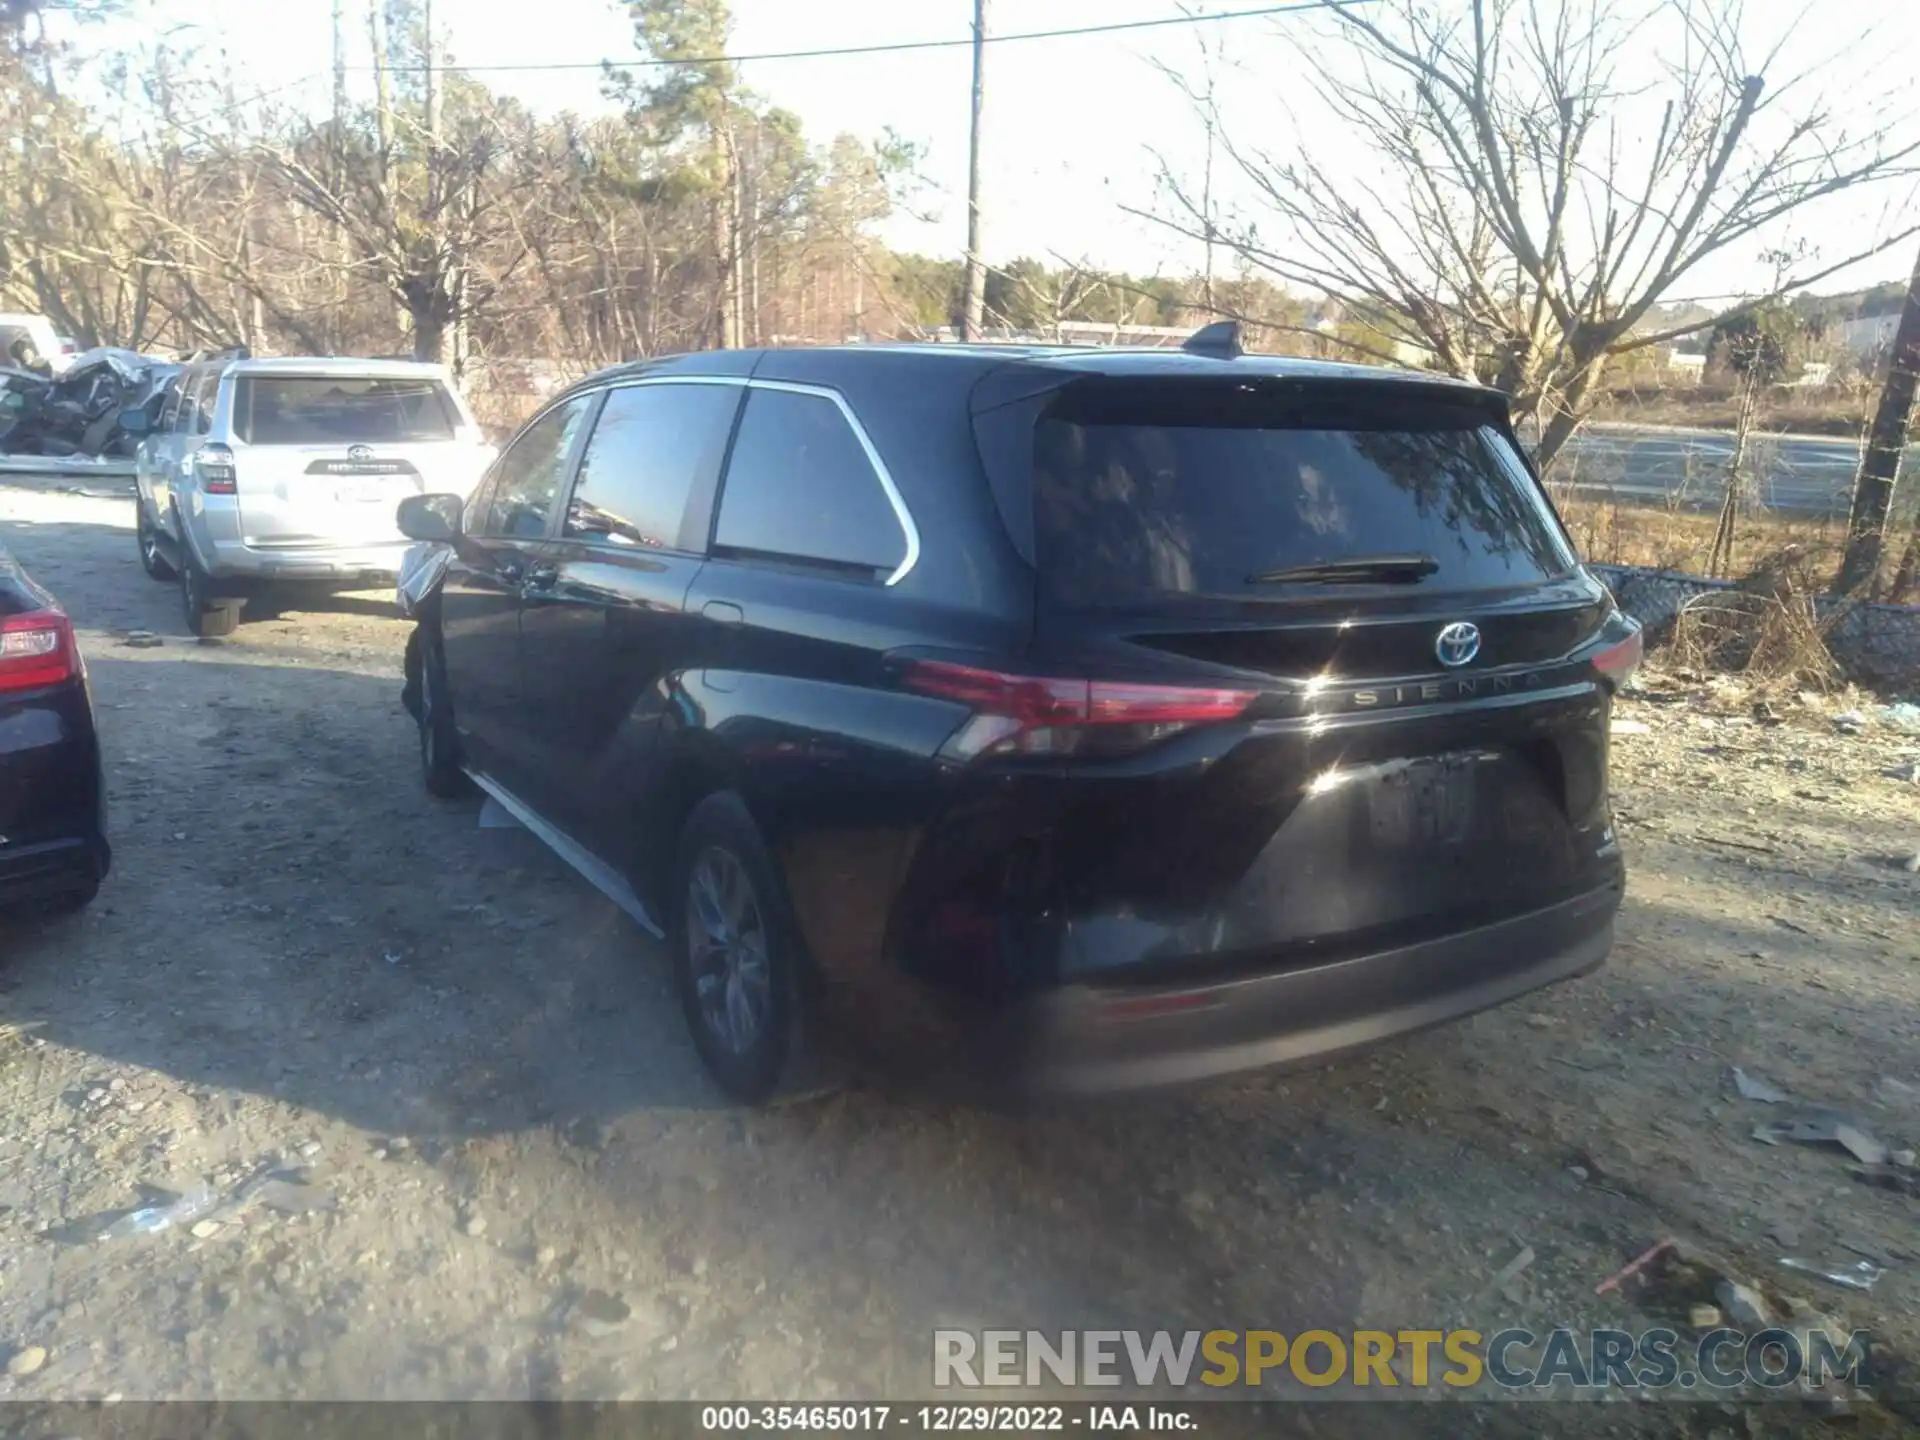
x=1071, y=123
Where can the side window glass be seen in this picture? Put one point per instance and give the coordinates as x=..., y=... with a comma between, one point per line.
x=186, y=407
x=169, y=408
x=650, y=447
x=204, y=400
x=530, y=472
x=800, y=487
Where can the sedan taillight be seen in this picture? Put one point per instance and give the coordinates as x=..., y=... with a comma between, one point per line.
x=1040, y=715
x=36, y=650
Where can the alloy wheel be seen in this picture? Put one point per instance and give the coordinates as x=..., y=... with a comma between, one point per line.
x=727, y=938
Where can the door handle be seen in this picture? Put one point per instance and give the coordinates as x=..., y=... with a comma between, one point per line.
x=724, y=611
x=541, y=577
x=509, y=569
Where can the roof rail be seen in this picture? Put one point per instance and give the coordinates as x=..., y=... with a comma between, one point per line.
x=228, y=352
x=1219, y=341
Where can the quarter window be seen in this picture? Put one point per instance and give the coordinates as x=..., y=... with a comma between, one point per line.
x=800, y=487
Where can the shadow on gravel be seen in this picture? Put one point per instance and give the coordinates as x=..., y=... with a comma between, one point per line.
x=290, y=915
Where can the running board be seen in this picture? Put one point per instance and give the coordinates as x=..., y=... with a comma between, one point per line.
x=594, y=871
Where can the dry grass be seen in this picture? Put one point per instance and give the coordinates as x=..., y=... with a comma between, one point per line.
x=1613, y=532
x=1765, y=628
x=1840, y=411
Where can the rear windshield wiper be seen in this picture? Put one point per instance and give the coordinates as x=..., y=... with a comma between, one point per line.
x=1383, y=569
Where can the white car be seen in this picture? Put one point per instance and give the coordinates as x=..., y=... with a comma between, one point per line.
x=265, y=474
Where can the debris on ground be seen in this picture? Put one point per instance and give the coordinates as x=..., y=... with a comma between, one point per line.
x=1903, y=716
x=1704, y=1317
x=1629, y=727
x=1752, y=1088
x=182, y=1210
x=26, y=1361
x=1863, y=1275
x=1902, y=1179
x=1513, y=1267
x=1637, y=1266
x=1742, y=1305
x=1825, y=1127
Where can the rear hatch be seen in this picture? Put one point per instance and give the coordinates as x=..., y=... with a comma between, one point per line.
x=1400, y=730
x=323, y=460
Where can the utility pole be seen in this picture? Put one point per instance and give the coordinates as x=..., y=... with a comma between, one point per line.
x=1880, y=464
x=976, y=302
x=339, y=70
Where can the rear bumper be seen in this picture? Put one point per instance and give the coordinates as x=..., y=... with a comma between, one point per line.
x=52, y=868
x=52, y=801
x=1088, y=1039
x=377, y=564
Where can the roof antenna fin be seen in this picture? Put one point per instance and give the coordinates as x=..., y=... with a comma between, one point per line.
x=1218, y=341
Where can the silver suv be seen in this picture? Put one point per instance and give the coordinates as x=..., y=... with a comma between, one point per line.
x=263, y=474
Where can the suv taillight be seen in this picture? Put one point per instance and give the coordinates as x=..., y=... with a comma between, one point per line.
x=215, y=464
x=1619, y=660
x=36, y=650
x=1041, y=715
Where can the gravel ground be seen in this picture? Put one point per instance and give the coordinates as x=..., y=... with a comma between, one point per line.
x=518, y=1182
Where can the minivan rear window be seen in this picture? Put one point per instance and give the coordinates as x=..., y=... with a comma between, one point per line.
x=1137, y=499
x=345, y=410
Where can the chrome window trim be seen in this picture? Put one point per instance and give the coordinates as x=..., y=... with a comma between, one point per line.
x=901, y=514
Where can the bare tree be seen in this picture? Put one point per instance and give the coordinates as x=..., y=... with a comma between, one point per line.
x=1512, y=223
x=1880, y=461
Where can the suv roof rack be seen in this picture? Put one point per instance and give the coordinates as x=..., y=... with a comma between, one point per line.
x=1218, y=341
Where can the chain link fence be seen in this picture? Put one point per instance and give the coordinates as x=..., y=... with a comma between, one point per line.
x=1875, y=644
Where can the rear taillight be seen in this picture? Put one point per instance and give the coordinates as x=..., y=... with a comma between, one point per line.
x=1041, y=715
x=36, y=650
x=1617, y=662
x=215, y=466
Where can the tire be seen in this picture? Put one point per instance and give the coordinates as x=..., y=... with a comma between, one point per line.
x=439, y=742
x=146, y=535
x=207, y=617
x=736, y=954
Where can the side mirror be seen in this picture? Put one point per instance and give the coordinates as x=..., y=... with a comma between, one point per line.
x=135, y=422
x=431, y=517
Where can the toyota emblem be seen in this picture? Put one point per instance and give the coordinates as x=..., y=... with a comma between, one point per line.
x=1457, y=644
x=359, y=452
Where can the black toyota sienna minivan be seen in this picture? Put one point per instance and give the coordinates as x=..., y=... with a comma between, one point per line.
x=1047, y=719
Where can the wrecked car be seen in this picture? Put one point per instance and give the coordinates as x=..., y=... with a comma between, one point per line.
x=83, y=410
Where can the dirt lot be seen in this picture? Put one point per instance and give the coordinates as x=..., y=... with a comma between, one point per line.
x=302, y=959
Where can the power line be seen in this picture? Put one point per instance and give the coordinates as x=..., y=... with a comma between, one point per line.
x=896, y=47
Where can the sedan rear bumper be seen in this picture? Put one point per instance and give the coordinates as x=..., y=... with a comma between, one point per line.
x=1088, y=1039
x=52, y=868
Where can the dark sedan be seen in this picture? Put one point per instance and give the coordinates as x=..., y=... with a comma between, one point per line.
x=53, y=842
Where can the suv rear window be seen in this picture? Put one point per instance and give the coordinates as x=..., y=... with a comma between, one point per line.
x=1136, y=496
x=330, y=409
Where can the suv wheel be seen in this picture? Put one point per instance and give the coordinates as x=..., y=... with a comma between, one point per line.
x=147, y=534
x=439, y=746
x=206, y=616
x=735, y=952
